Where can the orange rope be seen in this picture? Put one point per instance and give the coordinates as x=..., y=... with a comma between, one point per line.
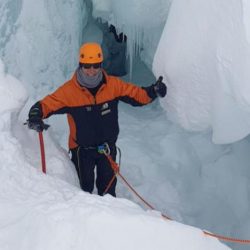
x=110, y=183
x=115, y=167
x=140, y=197
x=228, y=239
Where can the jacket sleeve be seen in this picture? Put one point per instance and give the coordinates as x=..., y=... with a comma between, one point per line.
x=134, y=95
x=54, y=103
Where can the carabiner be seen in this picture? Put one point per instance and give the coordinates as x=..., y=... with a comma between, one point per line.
x=104, y=149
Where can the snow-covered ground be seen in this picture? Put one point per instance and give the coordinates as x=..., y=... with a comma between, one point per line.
x=51, y=212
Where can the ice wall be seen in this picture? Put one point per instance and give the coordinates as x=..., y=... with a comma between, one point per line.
x=20, y=145
x=204, y=53
x=13, y=95
x=142, y=21
x=40, y=40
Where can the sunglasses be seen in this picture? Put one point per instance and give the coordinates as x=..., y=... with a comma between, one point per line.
x=89, y=65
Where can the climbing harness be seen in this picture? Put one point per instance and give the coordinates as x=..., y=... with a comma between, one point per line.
x=103, y=149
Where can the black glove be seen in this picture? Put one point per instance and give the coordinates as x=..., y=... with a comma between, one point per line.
x=35, y=118
x=160, y=87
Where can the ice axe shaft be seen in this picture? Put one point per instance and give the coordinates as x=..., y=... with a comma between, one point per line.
x=42, y=152
x=40, y=133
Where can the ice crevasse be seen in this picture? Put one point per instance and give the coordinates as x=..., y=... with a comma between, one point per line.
x=202, y=49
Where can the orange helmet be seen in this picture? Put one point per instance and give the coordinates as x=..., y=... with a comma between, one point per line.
x=90, y=53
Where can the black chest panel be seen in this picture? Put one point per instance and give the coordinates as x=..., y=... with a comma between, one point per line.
x=96, y=124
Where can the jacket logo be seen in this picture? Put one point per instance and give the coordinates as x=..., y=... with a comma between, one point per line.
x=105, y=106
x=106, y=111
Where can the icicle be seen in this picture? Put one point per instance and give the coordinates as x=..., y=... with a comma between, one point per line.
x=134, y=43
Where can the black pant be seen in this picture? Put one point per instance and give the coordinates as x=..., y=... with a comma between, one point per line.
x=85, y=161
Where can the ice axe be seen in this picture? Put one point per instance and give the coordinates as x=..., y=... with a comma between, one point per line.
x=41, y=142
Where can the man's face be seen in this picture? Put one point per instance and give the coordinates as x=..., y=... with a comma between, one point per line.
x=91, y=69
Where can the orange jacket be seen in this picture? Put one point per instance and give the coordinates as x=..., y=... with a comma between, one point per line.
x=93, y=120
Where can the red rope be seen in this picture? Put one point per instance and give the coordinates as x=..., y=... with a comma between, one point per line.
x=140, y=197
x=113, y=164
x=110, y=183
x=225, y=238
x=115, y=167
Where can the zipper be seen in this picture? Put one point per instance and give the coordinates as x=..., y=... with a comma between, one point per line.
x=90, y=94
x=98, y=92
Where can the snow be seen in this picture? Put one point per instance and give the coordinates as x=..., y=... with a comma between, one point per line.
x=207, y=67
x=27, y=52
x=46, y=212
x=246, y=20
x=181, y=172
